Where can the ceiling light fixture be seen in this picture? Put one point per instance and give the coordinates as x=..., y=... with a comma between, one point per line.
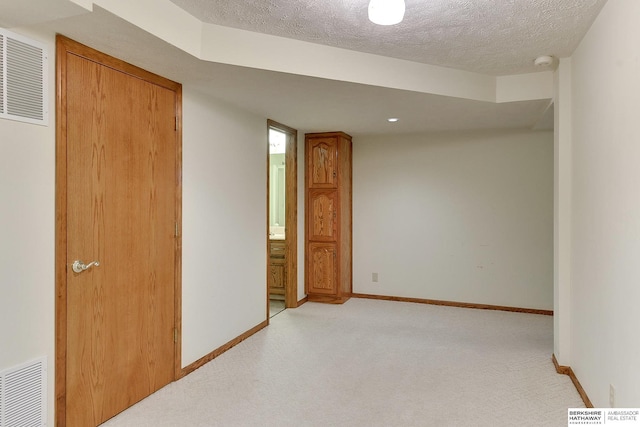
x=543, y=61
x=392, y=119
x=386, y=12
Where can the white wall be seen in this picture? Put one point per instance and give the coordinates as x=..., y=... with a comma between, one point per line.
x=224, y=223
x=605, y=287
x=224, y=230
x=562, y=140
x=456, y=217
x=27, y=214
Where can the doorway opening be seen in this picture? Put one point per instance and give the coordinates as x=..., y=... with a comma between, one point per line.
x=282, y=218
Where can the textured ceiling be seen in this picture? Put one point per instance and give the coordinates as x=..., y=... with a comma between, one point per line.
x=496, y=37
x=314, y=104
x=306, y=103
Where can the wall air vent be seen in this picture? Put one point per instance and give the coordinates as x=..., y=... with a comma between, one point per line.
x=23, y=79
x=2, y=37
x=23, y=395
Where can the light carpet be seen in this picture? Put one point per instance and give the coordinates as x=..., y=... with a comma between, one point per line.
x=374, y=363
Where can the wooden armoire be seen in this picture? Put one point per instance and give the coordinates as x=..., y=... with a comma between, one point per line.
x=328, y=254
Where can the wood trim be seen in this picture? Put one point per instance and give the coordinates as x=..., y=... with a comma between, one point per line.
x=327, y=134
x=66, y=46
x=266, y=220
x=566, y=370
x=291, y=212
x=177, y=309
x=61, y=237
x=302, y=301
x=281, y=127
x=328, y=299
x=455, y=304
x=223, y=348
x=291, y=222
x=91, y=54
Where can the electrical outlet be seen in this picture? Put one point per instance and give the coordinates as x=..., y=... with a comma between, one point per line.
x=612, y=396
x=374, y=277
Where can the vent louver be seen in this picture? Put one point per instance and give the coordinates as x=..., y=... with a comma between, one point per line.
x=1, y=80
x=23, y=392
x=23, y=79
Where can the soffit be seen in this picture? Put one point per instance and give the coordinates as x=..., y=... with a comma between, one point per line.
x=305, y=103
x=495, y=37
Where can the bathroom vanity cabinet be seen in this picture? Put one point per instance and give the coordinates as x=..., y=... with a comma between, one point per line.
x=277, y=267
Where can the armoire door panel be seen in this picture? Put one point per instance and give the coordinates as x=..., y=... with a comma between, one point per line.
x=323, y=272
x=323, y=224
x=323, y=171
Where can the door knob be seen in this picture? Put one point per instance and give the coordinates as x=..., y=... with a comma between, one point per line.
x=79, y=266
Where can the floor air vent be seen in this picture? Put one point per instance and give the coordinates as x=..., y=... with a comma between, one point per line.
x=23, y=79
x=23, y=395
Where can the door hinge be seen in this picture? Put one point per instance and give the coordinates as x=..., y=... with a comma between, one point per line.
x=175, y=334
x=175, y=123
x=177, y=232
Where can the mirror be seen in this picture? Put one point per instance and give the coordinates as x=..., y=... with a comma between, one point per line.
x=277, y=184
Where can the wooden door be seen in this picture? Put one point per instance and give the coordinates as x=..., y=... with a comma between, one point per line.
x=323, y=269
x=323, y=163
x=121, y=160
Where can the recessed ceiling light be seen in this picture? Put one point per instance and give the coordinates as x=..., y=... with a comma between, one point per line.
x=392, y=119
